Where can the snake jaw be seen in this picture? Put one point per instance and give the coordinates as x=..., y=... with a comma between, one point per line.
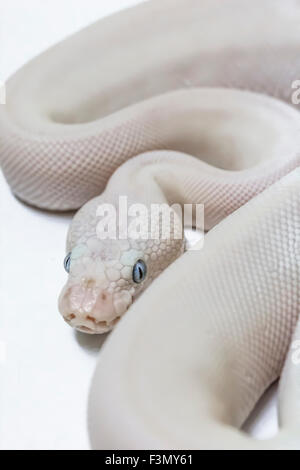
x=91, y=308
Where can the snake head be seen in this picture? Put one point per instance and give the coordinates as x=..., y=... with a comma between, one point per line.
x=107, y=275
x=101, y=284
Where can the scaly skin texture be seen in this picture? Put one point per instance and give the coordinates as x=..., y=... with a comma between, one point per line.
x=100, y=288
x=184, y=369
x=236, y=301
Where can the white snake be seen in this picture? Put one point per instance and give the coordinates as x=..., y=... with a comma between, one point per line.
x=188, y=362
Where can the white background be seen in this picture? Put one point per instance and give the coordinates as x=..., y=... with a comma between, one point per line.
x=45, y=366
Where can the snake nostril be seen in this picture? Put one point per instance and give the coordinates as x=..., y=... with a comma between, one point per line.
x=88, y=317
x=70, y=317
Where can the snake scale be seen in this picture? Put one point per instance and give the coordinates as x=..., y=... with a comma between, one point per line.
x=185, y=101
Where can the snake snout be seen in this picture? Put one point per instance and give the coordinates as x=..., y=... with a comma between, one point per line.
x=91, y=308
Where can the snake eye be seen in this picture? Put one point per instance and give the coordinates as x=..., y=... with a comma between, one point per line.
x=139, y=271
x=67, y=262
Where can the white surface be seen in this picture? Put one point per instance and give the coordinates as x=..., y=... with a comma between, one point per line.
x=45, y=366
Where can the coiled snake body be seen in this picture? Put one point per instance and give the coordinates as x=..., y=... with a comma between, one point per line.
x=194, y=91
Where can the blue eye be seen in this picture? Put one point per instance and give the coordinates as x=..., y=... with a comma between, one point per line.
x=139, y=271
x=67, y=262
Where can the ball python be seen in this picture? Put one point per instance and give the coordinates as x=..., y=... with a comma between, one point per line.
x=174, y=102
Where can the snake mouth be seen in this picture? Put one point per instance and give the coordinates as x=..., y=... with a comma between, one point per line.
x=89, y=324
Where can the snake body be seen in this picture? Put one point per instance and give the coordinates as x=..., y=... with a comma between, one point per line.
x=183, y=89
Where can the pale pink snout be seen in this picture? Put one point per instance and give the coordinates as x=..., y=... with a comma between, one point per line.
x=90, y=308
